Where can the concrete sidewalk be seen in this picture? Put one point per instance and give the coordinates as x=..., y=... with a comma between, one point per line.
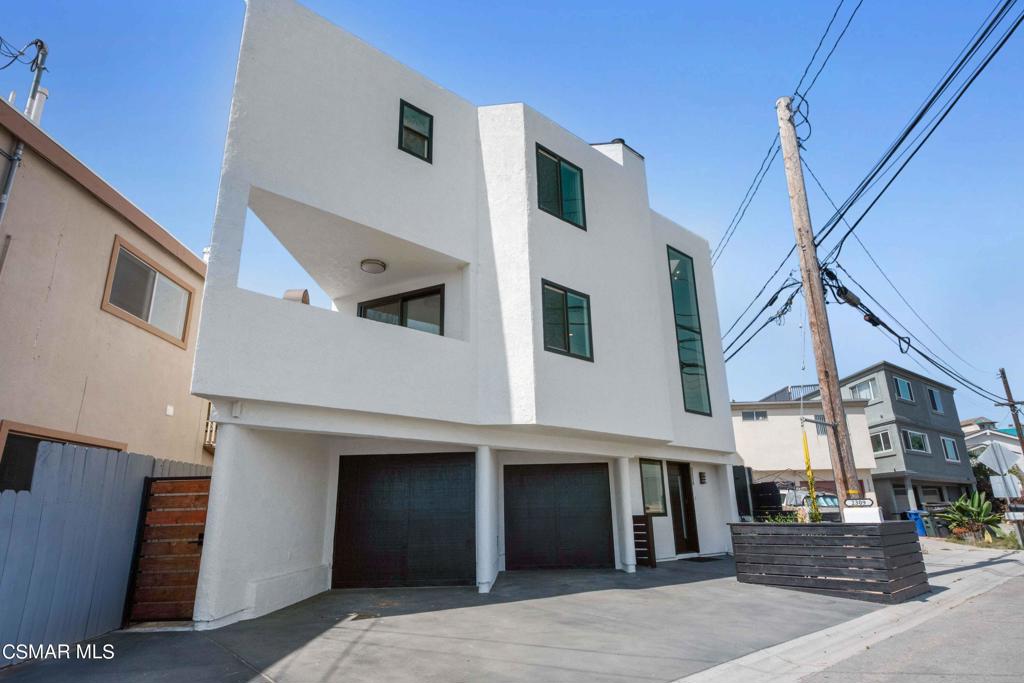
x=960, y=576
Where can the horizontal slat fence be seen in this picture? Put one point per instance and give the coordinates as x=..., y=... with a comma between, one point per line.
x=66, y=545
x=878, y=562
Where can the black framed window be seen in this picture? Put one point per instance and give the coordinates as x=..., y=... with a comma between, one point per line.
x=566, y=315
x=689, y=341
x=560, y=188
x=416, y=132
x=819, y=425
x=18, y=462
x=422, y=309
x=652, y=484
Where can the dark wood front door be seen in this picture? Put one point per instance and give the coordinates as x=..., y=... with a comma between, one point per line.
x=684, y=519
x=558, y=516
x=405, y=520
x=169, y=547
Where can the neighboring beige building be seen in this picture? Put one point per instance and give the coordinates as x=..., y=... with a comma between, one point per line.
x=98, y=313
x=768, y=440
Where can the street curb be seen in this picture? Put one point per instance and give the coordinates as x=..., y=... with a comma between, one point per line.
x=798, y=658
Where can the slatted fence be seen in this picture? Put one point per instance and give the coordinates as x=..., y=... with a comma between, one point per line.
x=66, y=545
x=877, y=562
x=643, y=541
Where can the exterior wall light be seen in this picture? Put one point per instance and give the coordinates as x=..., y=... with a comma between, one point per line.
x=373, y=266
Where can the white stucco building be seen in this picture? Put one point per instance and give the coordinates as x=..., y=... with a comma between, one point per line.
x=768, y=439
x=486, y=401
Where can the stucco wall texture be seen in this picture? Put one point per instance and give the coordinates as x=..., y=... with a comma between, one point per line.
x=68, y=365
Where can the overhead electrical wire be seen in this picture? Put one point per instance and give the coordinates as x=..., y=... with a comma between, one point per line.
x=824, y=63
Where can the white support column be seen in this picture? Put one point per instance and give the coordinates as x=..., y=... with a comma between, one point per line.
x=627, y=547
x=911, y=496
x=486, y=518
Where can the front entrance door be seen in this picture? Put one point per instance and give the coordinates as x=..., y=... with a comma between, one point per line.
x=684, y=519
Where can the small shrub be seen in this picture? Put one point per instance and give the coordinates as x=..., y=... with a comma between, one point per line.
x=972, y=517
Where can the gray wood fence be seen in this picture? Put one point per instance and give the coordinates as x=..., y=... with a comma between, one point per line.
x=66, y=546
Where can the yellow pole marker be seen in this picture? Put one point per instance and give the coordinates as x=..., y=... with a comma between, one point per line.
x=815, y=512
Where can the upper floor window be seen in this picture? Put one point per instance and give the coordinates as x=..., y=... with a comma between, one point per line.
x=904, y=391
x=754, y=415
x=140, y=291
x=566, y=315
x=653, y=488
x=881, y=442
x=935, y=399
x=416, y=132
x=422, y=309
x=820, y=428
x=689, y=342
x=560, y=188
x=866, y=390
x=915, y=441
x=950, y=450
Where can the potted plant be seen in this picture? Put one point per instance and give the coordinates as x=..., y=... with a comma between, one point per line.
x=971, y=518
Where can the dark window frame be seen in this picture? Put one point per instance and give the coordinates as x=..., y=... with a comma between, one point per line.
x=896, y=379
x=401, y=129
x=696, y=304
x=643, y=489
x=565, y=319
x=401, y=298
x=583, y=195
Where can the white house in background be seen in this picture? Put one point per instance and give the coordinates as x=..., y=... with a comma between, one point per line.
x=522, y=356
x=768, y=439
x=979, y=432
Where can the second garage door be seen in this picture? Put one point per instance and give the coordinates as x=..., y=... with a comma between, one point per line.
x=405, y=520
x=558, y=516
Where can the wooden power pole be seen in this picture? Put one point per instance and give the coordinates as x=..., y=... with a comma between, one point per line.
x=1013, y=407
x=843, y=467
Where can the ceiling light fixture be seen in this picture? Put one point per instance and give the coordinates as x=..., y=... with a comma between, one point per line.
x=374, y=266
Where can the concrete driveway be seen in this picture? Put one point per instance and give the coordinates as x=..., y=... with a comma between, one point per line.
x=552, y=626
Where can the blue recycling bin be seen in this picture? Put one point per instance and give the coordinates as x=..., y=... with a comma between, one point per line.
x=915, y=517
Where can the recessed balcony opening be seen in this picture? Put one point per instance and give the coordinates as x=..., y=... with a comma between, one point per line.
x=351, y=268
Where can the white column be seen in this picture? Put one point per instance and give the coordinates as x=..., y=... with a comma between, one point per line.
x=911, y=497
x=486, y=518
x=627, y=547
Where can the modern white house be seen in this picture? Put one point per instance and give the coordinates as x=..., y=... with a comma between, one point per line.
x=770, y=442
x=521, y=357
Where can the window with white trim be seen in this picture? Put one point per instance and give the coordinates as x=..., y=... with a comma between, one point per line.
x=866, y=390
x=754, y=415
x=935, y=399
x=881, y=442
x=950, y=450
x=915, y=441
x=903, y=390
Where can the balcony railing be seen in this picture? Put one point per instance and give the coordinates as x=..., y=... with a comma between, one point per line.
x=210, y=435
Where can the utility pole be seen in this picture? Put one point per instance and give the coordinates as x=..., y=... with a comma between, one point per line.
x=38, y=67
x=1020, y=439
x=843, y=467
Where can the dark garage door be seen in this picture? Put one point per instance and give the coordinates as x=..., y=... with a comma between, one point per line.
x=558, y=516
x=405, y=520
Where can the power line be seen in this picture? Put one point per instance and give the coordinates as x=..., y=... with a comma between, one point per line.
x=830, y=52
x=777, y=316
x=817, y=48
x=741, y=210
x=886, y=275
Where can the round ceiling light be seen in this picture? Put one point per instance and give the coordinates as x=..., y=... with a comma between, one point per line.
x=374, y=266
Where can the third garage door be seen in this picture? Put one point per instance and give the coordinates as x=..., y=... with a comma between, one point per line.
x=558, y=516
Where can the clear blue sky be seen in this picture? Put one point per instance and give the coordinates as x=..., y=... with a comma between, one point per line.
x=140, y=91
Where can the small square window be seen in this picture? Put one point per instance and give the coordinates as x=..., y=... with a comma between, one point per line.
x=819, y=425
x=903, y=389
x=653, y=487
x=560, y=188
x=866, y=390
x=754, y=415
x=416, y=132
x=566, y=320
x=881, y=443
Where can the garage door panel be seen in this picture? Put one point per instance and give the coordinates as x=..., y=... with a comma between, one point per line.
x=557, y=515
x=405, y=520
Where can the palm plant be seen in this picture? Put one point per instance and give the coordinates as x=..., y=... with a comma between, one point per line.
x=972, y=515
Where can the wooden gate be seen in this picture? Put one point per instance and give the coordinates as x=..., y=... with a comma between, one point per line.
x=169, y=545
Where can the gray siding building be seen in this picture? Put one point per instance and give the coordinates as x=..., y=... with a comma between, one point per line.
x=919, y=448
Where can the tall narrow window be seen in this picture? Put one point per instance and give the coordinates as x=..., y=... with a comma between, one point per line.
x=935, y=399
x=560, y=188
x=950, y=450
x=819, y=425
x=416, y=132
x=141, y=293
x=652, y=486
x=422, y=309
x=689, y=342
x=566, y=317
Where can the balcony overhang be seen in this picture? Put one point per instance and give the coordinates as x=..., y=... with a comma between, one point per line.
x=330, y=247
